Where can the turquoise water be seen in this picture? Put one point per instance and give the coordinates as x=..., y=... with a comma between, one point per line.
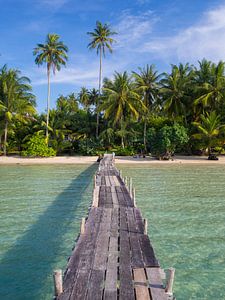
x=40, y=212
x=185, y=208
x=41, y=208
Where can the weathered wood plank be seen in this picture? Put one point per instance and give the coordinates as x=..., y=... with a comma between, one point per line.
x=107, y=181
x=147, y=251
x=96, y=196
x=126, y=288
x=141, y=289
x=114, y=197
x=86, y=240
x=136, y=253
x=155, y=284
x=95, y=285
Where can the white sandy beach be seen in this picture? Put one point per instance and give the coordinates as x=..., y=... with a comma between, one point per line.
x=119, y=160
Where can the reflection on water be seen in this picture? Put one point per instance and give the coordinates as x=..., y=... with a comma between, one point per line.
x=185, y=207
x=40, y=210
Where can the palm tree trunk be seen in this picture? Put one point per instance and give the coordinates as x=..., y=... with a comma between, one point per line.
x=99, y=88
x=48, y=102
x=122, y=138
x=145, y=129
x=122, y=142
x=5, y=136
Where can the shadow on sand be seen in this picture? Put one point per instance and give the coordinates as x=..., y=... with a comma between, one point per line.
x=27, y=267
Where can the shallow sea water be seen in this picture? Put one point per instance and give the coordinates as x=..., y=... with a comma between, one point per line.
x=40, y=212
x=41, y=208
x=185, y=208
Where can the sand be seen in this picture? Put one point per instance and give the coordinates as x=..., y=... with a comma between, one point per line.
x=119, y=160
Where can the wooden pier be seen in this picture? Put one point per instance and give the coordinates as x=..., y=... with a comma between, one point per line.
x=113, y=258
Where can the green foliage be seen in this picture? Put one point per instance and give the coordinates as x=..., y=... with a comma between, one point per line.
x=166, y=140
x=119, y=116
x=126, y=151
x=37, y=146
x=89, y=147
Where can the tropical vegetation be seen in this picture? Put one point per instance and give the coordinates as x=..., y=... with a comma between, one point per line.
x=131, y=113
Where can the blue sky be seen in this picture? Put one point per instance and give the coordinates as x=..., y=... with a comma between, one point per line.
x=149, y=31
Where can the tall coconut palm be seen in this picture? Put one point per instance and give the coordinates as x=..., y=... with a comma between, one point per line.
x=54, y=54
x=210, y=130
x=146, y=83
x=101, y=39
x=16, y=99
x=122, y=102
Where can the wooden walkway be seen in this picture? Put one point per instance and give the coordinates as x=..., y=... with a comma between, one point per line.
x=113, y=258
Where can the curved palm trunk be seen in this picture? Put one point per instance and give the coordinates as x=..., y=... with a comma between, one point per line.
x=5, y=136
x=99, y=87
x=48, y=103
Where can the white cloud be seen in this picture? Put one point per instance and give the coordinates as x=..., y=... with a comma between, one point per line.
x=132, y=29
x=204, y=39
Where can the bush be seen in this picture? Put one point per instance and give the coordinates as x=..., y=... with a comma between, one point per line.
x=127, y=151
x=37, y=146
x=166, y=140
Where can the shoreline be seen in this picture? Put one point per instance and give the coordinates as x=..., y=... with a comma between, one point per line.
x=15, y=160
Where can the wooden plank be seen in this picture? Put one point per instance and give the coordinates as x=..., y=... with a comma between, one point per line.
x=155, y=284
x=111, y=271
x=147, y=251
x=95, y=196
x=101, y=251
x=139, y=220
x=126, y=195
x=95, y=285
x=117, y=183
x=141, y=289
x=111, y=276
x=86, y=240
x=126, y=289
x=114, y=197
x=107, y=181
x=136, y=253
x=120, y=196
x=80, y=286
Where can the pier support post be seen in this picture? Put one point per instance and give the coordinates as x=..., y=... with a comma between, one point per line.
x=57, y=276
x=82, y=226
x=125, y=180
x=130, y=187
x=169, y=286
x=134, y=197
x=145, y=226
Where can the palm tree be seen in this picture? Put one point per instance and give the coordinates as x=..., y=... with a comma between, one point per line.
x=54, y=54
x=175, y=90
x=146, y=83
x=121, y=101
x=84, y=98
x=210, y=84
x=101, y=40
x=16, y=99
x=210, y=130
